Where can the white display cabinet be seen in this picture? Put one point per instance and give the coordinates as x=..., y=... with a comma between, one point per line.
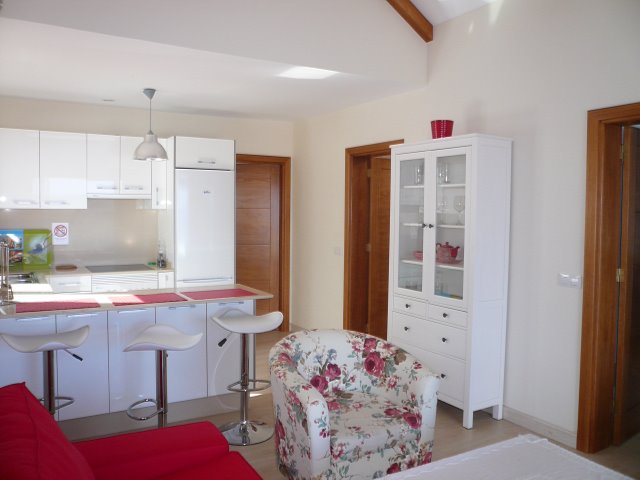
x=449, y=261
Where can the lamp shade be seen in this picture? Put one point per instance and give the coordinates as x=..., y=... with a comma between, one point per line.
x=150, y=149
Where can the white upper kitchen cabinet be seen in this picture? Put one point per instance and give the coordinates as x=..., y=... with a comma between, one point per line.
x=204, y=153
x=87, y=381
x=103, y=165
x=449, y=264
x=186, y=370
x=135, y=175
x=63, y=170
x=19, y=163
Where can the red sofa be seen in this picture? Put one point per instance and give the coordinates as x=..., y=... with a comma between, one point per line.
x=32, y=446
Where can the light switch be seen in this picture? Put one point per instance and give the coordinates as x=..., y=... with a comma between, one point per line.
x=568, y=280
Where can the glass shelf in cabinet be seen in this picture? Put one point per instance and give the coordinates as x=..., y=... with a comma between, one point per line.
x=412, y=186
x=451, y=185
x=412, y=262
x=450, y=266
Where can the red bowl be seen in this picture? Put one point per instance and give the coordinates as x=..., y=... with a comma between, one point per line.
x=418, y=254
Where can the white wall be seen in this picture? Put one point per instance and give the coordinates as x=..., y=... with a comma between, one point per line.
x=529, y=70
x=120, y=231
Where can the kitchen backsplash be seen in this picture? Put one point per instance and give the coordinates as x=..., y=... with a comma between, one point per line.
x=109, y=231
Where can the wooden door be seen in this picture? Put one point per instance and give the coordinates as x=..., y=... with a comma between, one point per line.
x=380, y=201
x=627, y=387
x=258, y=230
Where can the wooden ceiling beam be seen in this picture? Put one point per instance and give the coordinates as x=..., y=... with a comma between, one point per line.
x=414, y=18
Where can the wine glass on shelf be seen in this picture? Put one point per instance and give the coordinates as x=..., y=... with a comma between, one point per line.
x=458, y=205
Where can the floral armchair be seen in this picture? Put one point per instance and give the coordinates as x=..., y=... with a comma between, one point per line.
x=349, y=406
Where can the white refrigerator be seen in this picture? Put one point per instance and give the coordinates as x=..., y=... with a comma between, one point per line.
x=204, y=227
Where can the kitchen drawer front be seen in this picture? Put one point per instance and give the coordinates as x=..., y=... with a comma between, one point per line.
x=124, y=282
x=70, y=283
x=451, y=372
x=410, y=306
x=448, y=315
x=205, y=153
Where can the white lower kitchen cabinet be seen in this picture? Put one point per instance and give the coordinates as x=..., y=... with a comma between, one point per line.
x=87, y=381
x=24, y=367
x=449, y=263
x=186, y=370
x=131, y=374
x=224, y=361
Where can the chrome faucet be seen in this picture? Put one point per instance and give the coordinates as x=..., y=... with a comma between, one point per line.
x=6, y=292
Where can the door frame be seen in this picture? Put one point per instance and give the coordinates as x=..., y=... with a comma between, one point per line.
x=285, y=225
x=597, y=359
x=350, y=209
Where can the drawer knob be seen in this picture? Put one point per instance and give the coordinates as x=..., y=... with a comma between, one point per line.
x=407, y=305
x=443, y=375
x=445, y=315
x=406, y=329
x=444, y=340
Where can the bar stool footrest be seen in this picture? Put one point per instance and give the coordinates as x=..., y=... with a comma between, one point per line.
x=264, y=384
x=140, y=402
x=69, y=401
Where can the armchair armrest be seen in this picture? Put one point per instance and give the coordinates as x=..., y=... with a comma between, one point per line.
x=302, y=423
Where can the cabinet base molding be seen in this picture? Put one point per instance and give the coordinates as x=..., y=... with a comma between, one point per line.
x=118, y=422
x=553, y=432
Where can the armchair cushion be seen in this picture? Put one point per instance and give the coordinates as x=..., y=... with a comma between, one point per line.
x=349, y=405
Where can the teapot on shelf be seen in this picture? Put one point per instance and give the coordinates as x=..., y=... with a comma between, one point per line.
x=446, y=253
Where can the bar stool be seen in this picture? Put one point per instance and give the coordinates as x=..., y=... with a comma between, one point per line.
x=48, y=344
x=245, y=431
x=159, y=338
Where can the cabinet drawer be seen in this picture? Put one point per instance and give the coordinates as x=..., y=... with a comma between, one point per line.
x=451, y=371
x=448, y=315
x=205, y=153
x=70, y=283
x=410, y=306
x=430, y=336
x=445, y=340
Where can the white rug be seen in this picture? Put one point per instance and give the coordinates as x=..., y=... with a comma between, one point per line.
x=526, y=457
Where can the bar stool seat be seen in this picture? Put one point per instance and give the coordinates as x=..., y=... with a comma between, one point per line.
x=162, y=337
x=48, y=344
x=159, y=338
x=245, y=431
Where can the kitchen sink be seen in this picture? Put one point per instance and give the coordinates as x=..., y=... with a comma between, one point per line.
x=15, y=278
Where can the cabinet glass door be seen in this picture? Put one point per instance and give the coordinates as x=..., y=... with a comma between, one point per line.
x=409, y=222
x=448, y=206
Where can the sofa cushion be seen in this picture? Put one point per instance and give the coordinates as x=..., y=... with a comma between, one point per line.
x=32, y=446
x=153, y=453
x=230, y=467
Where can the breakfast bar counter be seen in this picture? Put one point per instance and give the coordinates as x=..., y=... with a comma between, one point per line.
x=109, y=378
x=34, y=298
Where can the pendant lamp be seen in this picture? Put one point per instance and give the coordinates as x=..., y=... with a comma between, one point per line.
x=150, y=149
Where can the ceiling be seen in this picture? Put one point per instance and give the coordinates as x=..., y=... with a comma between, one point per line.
x=211, y=56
